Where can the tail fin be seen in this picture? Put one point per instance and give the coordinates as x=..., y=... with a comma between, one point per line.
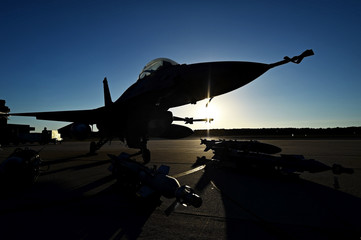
x=107, y=98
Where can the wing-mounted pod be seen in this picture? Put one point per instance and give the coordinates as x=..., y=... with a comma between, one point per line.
x=176, y=131
x=77, y=130
x=188, y=120
x=160, y=125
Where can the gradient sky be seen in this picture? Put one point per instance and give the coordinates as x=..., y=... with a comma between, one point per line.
x=55, y=54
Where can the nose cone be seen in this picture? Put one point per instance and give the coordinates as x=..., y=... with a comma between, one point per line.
x=221, y=77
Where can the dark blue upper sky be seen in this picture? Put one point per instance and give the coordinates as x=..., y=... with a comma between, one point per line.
x=54, y=55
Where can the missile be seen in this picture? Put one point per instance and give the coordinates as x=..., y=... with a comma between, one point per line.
x=152, y=182
x=246, y=146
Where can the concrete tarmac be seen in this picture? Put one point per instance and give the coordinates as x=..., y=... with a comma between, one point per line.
x=76, y=198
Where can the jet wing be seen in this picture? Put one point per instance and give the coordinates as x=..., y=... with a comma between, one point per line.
x=82, y=116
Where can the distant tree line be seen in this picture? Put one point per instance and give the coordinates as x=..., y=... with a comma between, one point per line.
x=338, y=132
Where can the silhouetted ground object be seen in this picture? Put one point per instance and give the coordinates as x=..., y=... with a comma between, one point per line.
x=142, y=110
x=9, y=133
x=245, y=146
x=338, y=132
x=44, y=136
x=79, y=199
x=20, y=170
x=150, y=184
x=249, y=155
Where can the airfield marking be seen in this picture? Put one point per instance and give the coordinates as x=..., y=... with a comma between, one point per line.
x=189, y=171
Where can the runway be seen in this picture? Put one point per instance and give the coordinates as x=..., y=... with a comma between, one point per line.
x=77, y=198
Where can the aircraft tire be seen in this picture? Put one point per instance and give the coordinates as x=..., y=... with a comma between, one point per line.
x=93, y=148
x=146, y=156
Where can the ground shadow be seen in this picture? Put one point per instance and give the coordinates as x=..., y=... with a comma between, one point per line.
x=48, y=170
x=51, y=212
x=279, y=207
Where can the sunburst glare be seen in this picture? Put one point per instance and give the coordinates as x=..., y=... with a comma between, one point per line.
x=209, y=111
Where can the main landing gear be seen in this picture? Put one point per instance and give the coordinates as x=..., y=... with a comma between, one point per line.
x=146, y=155
x=96, y=146
x=140, y=143
x=144, y=151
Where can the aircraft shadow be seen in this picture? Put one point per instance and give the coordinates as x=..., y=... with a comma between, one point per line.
x=283, y=208
x=78, y=167
x=65, y=160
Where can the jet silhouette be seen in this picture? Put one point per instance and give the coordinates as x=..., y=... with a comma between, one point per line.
x=142, y=111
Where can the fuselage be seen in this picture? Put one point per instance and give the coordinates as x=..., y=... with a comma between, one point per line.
x=177, y=85
x=143, y=107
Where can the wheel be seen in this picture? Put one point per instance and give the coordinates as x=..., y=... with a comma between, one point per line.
x=146, y=156
x=93, y=147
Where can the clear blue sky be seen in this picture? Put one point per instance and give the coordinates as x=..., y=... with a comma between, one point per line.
x=55, y=54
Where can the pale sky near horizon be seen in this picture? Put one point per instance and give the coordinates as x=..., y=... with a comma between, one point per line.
x=55, y=54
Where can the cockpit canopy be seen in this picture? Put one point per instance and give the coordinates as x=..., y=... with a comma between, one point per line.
x=154, y=65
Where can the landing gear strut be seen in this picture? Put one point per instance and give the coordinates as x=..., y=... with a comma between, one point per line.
x=142, y=145
x=145, y=151
x=96, y=146
x=146, y=155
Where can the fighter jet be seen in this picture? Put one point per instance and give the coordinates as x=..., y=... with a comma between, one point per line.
x=142, y=111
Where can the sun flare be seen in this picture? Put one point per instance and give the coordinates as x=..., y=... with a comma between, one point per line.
x=209, y=112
